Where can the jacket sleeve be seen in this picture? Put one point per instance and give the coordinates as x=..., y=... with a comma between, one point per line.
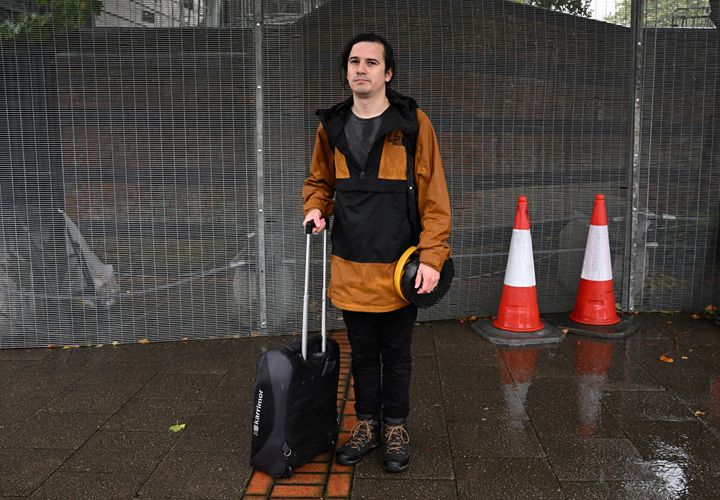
x=433, y=197
x=319, y=188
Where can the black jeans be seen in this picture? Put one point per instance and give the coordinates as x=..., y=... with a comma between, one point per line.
x=381, y=361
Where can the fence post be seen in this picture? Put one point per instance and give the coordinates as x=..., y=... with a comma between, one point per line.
x=628, y=282
x=262, y=279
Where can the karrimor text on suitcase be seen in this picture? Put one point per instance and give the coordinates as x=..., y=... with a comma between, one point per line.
x=294, y=413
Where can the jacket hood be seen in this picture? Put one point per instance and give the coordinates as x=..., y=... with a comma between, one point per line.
x=401, y=115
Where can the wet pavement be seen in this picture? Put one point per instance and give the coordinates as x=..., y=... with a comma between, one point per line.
x=586, y=418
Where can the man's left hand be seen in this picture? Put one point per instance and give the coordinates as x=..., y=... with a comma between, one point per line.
x=426, y=279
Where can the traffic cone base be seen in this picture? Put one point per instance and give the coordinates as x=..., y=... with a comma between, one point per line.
x=548, y=334
x=621, y=329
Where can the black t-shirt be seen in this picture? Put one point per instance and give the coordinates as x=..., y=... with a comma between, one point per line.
x=361, y=134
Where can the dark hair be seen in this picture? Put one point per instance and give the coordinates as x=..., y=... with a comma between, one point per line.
x=388, y=54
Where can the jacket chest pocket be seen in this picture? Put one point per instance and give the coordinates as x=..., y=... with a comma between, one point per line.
x=393, y=162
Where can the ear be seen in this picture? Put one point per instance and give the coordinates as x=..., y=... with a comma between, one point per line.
x=388, y=75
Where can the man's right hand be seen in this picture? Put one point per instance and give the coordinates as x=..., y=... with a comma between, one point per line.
x=315, y=215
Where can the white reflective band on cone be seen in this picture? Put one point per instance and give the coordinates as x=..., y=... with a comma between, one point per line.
x=520, y=270
x=596, y=264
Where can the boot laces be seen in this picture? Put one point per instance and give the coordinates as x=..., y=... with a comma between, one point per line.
x=396, y=437
x=361, y=434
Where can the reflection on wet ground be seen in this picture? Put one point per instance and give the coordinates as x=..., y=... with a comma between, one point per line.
x=633, y=418
x=587, y=418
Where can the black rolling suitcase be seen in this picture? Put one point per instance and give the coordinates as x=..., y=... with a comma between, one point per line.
x=294, y=413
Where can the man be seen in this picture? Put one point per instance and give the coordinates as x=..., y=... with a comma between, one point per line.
x=364, y=149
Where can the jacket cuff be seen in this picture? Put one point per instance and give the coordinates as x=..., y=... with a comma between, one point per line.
x=311, y=205
x=431, y=260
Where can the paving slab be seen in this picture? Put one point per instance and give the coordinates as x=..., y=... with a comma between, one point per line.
x=83, y=359
x=185, y=386
x=23, y=470
x=15, y=411
x=507, y=478
x=120, y=451
x=153, y=355
x=662, y=406
x=199, y=475
x=471, y=404
x=543, y=362
x=54, y=430
x=152, y=415
x=225, y=433
x=423, y=340
x=479, y=377
x=118, y=377
x=24, y=354
x=403, y=489
x=610, y=361
x=90, y=486
x=88, y=399
x=597, y=459
x=570, y=408
x=38, y=384
x=490, y=439
x=709, y=354
x=619, y=490
x=229, y=400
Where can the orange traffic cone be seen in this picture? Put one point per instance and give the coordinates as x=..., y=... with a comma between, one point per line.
x=518, y=311
x=518, y=320
x=595, y=302
x=594, y=313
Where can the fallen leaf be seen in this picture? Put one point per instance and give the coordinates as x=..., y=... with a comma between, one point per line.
x=52, y=346
x=695, y=316
x=684, y=357
x=699, y=413
x=144, y=341
x=71, y=347
x=115, y=342
x=177, y=427
x=666, y=359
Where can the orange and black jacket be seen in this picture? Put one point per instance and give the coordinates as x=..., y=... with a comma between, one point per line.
x=369, y=203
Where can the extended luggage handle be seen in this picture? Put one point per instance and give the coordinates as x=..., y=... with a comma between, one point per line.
x=308, y=232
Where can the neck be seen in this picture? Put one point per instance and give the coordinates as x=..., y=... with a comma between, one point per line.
x=369, y=106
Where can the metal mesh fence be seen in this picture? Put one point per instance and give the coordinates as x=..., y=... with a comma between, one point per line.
x=152, y=154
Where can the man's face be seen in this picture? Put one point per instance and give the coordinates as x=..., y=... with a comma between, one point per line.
x=366, y=72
